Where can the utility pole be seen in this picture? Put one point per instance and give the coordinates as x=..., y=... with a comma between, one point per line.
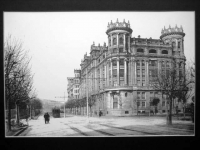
x=64, y=103
x=86, y=87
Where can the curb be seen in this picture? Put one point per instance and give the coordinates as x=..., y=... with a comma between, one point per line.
x=21, y=130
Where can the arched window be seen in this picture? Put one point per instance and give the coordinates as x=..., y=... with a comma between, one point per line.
x=114, y=62
x=114, y=41
x=173, y=44
x=164, y=52
x=152, y=51
x=140, y=50
x=121, y=40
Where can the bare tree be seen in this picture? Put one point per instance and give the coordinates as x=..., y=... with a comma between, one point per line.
x=186, y=90
x=18, y=78
x=170, y=82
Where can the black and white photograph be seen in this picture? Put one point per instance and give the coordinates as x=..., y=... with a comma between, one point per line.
x=99, y=73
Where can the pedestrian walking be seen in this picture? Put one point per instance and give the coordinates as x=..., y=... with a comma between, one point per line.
x=45, y=118
x=48, y=117
x=100, y=113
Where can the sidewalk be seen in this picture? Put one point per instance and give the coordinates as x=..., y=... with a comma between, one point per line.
x=16, y=129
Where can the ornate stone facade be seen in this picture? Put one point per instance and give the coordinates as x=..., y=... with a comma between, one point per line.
x=117, y=75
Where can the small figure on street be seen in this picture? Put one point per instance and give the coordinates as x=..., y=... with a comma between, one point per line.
x=100, y=113
x=46, y=117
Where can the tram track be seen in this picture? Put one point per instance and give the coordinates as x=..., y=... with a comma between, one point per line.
x=129, y=129
x=79, y=131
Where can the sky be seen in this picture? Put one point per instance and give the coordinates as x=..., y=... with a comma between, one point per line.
x=57, y=41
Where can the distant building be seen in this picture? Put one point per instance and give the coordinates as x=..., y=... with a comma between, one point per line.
x=73, y=85
x=118, y=74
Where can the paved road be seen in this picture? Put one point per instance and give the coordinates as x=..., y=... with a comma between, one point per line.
x=79, y=126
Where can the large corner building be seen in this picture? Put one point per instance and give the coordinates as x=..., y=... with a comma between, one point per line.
x=117, y=76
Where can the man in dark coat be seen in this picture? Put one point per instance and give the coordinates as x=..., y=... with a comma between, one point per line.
x=48, y=117
x=45, y=117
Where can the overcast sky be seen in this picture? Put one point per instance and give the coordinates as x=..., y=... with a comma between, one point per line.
x=57, y=41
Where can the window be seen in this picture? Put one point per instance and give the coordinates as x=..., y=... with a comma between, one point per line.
x=180, y=65
x=143, y=73
x=143, y=95
x=114, y=50
x=152, y=51
x=179, y=44
x=114, y=73
x=138, y=82
x=138, y=63
x=139, y=50
x=126, y=112
x=173, y=44
x=114, y=41
x=103, y=56
x=114, y=63
x=167, y=73
x=143, y=104
x=120, y=50
x=138, y=72
x=138, y=95
x=121, y=72
x=125, y=94
x=163, y=64
x=121, y=40
x=153, y=63
x=138, y=104
x=121, y=62
x=143, y=82
x=114, y=83
x=167, y=64
x=164, y=52
x=143, y=64
x=109, y=42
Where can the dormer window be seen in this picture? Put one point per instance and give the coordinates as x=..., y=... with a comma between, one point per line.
x=152, y=51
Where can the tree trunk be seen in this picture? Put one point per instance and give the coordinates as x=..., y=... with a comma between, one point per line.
x=183, y=111
x=17, y=114
x=169, y=115
x=9, y=116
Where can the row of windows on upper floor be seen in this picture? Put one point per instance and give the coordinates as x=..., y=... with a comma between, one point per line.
x=151, y=51
x=114, y=41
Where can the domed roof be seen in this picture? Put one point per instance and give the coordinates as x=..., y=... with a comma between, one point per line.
x=118, y=26
x=170, y=31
